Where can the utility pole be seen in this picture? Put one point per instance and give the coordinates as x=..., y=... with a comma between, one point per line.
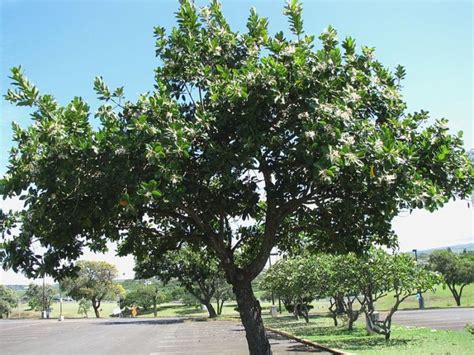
x=44, y=296
x=421, y=301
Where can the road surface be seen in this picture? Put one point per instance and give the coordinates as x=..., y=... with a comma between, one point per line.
x=448, y=318
x=131, y=336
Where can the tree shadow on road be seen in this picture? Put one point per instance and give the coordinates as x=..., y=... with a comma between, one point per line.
x=128, y=321
x=276, y=339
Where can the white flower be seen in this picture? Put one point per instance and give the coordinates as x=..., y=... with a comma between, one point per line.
x=333, y=155
x=321, y=66
x=346, y=115
x=120, y=151
x=400, y=161
x=375, y=80
x=378, y=146
x=289, y=50
x=348, y=139
x=390, y=178
x=354, y=97
x=303, y=115
x=351, y=158
x=310, y=134
x=327, y=108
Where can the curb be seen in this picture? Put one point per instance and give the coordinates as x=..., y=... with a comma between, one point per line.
x=307, y=342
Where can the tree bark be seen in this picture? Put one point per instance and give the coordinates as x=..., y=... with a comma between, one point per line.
x=251, y=316
x=456, y=295
x=155, y=312
x=458, y=300
x=96, y=306
x=220, y=305
x=210, y=309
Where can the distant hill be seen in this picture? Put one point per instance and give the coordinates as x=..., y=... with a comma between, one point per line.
x=455, y=248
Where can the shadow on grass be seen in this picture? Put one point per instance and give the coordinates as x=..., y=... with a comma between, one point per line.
x=275, y=339
x=189, y=312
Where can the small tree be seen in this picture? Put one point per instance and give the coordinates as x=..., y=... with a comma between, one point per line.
x=457, y=270
x=8, y=301
x=146, y=296
x=222, y=293
x=297, y=281
x=84, y=307
x=38, y=298
x=397, y=274
x=343, y=286
x=94, y=282
x=197, y=271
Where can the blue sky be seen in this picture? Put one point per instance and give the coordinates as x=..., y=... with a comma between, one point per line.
x=63, y=45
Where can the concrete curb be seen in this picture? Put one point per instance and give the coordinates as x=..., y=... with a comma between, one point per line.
x=307, y=342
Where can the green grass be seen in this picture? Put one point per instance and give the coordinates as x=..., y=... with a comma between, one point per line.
x=440, y=298
x=69, y=310
x=164, y=310
x=404, y=340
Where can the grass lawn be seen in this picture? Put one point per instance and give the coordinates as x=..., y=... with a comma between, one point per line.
x=404, y=340
x=438, y=299
x=69, y=310
x=441, y=298
x=164, y=310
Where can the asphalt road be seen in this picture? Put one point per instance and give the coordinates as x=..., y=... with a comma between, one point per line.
x=452, y=318
x=131, y=336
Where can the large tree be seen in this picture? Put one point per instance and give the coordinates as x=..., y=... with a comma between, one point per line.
x=244, y=137
x=457, y=270
x=94, y=282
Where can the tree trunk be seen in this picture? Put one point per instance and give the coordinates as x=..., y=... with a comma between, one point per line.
x=456, y=296
x=295, y=311
x=96, y=305
x=222, y=306
x=339, y=305
x=251, y=317
x=458, y=300
x=155, y=312
x=350, y=326
x=210, y=309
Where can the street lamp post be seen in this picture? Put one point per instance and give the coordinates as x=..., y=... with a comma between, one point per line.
x=44, y=297
x=61, y=317
x=273, y=294
x=270, y=262
x=421, y=301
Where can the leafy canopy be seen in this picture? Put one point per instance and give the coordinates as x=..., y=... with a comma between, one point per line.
x=94, y=281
